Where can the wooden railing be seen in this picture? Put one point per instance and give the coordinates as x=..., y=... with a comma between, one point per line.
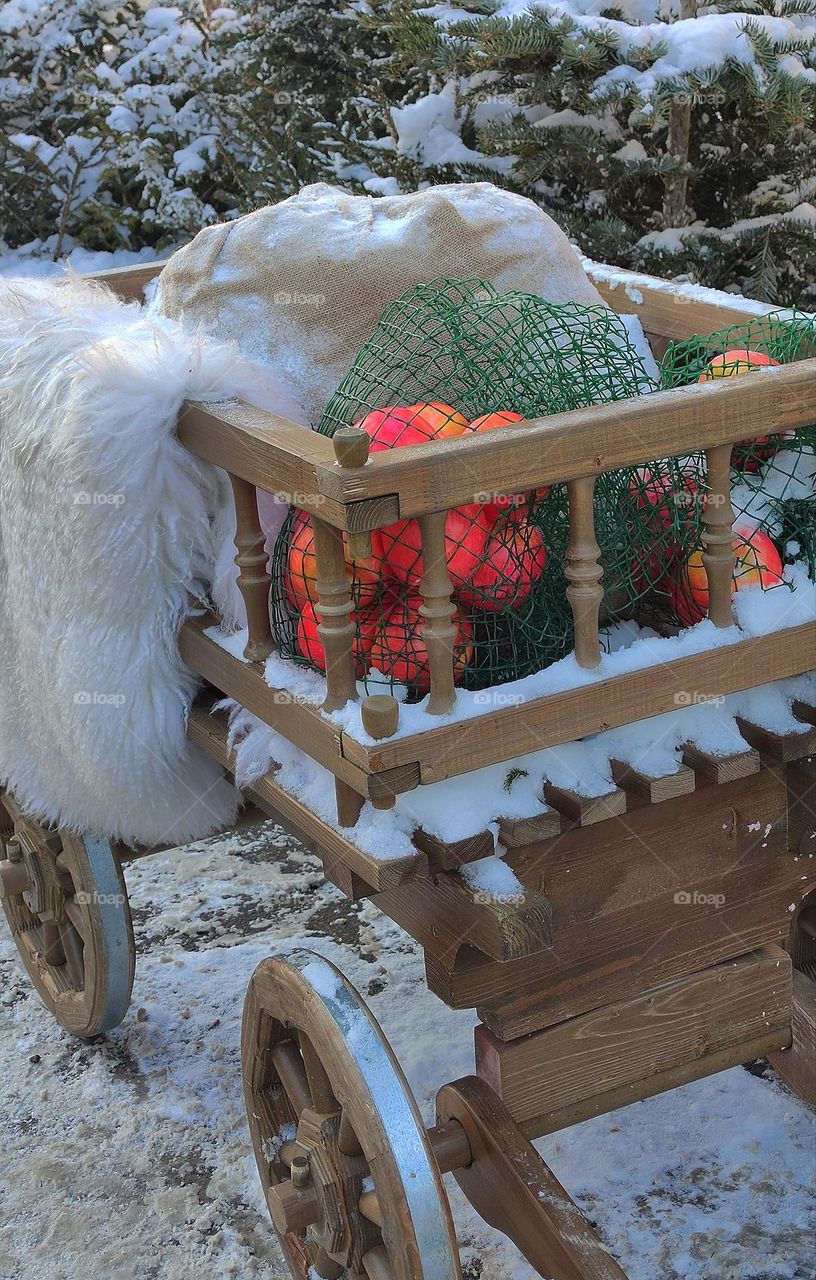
x=343, y=489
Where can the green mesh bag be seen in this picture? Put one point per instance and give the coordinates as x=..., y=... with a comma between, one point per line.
x=448, y=355
x=443, y=357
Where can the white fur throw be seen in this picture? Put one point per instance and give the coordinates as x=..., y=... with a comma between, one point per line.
x=106, y=541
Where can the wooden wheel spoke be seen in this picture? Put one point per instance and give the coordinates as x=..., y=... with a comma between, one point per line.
x=347, y=1139
x=292, y=1074
x=377, y=1264
x=53, y=951
x=326, y=1267
x=77, y=918
x=74, y=955
x=319, y=1084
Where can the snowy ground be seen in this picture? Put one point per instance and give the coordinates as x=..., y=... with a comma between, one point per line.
x=131, y=1155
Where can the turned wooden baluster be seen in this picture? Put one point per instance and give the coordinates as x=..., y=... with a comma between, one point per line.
x=718, y=517
x=585, y=592
x=351, y=446
x=437, y=609
x=254, y=580
x=334, y=609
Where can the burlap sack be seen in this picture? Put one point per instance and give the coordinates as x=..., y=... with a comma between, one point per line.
x=301, y=285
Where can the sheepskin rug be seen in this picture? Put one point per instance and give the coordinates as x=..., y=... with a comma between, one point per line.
x=109, y=532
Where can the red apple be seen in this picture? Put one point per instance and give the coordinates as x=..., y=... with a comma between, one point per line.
x=503, y=502
x=747, y=455
x=513, y=561
x=399, y=648
x=300, y=578
x=466, y=532
x=664, y=505
x=311, y=646
x=395, y=427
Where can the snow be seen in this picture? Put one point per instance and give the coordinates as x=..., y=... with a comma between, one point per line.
x=134, y=1151
x=491, y=878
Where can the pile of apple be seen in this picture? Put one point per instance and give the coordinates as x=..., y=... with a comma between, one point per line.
x=665, y=505
x=493, y=553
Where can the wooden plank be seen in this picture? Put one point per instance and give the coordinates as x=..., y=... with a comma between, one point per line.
x=209, y=732
x=780, y=747
x=717, y=770
x=444, y=913
x=803, y=711
x=621, y=1046
x=570, y=446
x=299, y=722
x=447, y=856
x=452, y=749
x=661, y=1082
x=582, y=811
x=128, y=283
x=511, y=1187
x=667, y=309
x=641, y=788
x=797, y=1064
x=514, y=833
x=633, y=909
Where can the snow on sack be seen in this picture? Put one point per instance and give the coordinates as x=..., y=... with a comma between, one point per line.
x=301, y=285
x=106, y=541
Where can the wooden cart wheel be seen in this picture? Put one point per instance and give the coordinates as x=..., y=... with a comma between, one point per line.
x=345, y=1161
x=66, y=903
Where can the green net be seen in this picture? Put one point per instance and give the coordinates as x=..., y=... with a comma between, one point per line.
x=456, y=357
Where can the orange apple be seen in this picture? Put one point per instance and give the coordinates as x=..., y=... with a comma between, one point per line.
x=399, y=649
x=489, y=421
x=300, y=578
x=442, y=418
x=758, y=563
x=513, y=561
x=747, y=455
x=732, y=363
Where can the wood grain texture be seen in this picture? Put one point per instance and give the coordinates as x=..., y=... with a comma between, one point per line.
x=128, y=283
x=448, y=855
x=633, y=909
x=343, y=858
x=516, y=832
x=666, y=310
x=797, y=1064
x=621, y=1046
x=712, y=770
x=779, y=747
x=582, y=811
x=583, y=571
x=252, y=562
x=719, y=558
x=453, y=749
x=511, y=1187
x=444, y=913
x=641, y=788
x=569, y=446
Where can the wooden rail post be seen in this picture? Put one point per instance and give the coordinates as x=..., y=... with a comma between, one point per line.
x=437, y=609
x=254, y=580
x=718, y=517
x=351, y=448
x=380, y=715
x=583, y=569
x=334, y=609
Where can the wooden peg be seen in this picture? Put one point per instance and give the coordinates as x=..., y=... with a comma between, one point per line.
x=351, y=449
x=334, y=609
x=718, y=517
x=254, y=580
x=437, y=609
x=583, y=569
x=380, y=715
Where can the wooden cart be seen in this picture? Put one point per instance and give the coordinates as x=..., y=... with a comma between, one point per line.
x=600, y=987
